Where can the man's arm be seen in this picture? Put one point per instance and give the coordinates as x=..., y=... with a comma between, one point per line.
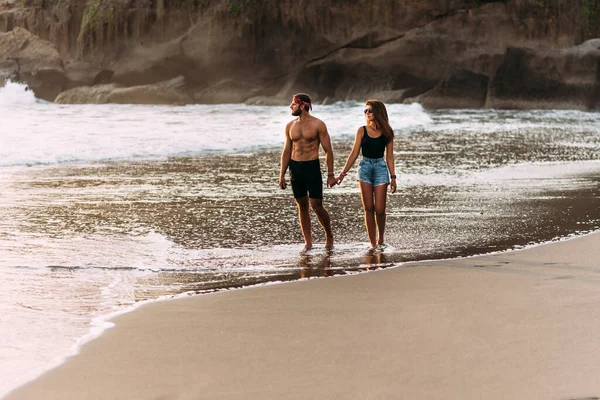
x=286, y=155
x=326, y=143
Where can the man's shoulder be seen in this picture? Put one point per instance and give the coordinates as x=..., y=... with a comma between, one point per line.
x=320, y=125
x=318, y=121
x=290, y=123
x=311, y=123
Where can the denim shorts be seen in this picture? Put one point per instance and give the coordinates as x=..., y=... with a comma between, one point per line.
x=373, y=171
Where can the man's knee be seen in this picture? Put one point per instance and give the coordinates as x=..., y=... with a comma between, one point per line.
x=316, y=204
x=302, y=202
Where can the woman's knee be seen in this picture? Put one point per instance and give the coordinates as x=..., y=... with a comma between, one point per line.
x=369, y=209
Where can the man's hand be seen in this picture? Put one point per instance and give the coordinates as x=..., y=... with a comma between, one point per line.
x=282, y=183
x=331, y=181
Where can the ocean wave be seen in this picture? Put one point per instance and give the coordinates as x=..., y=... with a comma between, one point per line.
x=40, y=133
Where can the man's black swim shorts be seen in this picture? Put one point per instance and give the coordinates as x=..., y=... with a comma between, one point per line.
x=306, y=177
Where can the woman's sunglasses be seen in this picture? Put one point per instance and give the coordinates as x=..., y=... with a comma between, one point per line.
x=368, y=111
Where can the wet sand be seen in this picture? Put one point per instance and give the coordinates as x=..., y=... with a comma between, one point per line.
x=515, y=325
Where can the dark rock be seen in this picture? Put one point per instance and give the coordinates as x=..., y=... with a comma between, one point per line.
x=98, y=94
x=395, y=51
x=546, y=79
x=168, y=92
x=267, y=101
x=460, y=89
x=33, y=61
x=226, y=91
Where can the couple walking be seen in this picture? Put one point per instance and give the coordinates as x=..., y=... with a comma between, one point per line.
x=305, y=134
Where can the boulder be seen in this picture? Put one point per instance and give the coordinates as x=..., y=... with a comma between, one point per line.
x=150, y=94
x=98, y=94
x=547, y=78
x=34, y=61
x=167, y=92
x=226, y=91
x=460, y=89
x=267, y=101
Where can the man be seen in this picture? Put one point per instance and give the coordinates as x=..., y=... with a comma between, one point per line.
x=303, y=136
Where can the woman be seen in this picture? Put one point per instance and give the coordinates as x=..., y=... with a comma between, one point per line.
x=374, y=173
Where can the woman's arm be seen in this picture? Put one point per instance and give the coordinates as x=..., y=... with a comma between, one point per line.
x=353, y=155
x=389, y=158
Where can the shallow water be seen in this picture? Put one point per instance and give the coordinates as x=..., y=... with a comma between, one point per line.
x=103, y=207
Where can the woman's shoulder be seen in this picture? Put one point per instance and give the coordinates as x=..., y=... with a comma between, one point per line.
x=375, y=133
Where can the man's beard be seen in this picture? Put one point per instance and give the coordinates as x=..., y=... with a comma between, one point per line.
x=298, y=112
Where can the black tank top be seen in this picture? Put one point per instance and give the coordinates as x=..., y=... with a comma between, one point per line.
x=372, y=147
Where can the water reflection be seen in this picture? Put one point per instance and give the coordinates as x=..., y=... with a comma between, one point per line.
x=315, y=265
x=375, y=259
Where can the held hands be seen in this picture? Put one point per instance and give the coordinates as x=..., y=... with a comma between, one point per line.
x=331, y=181
x=340, y=178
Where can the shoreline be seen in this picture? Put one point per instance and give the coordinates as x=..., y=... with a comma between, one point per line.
x=101, y=324
x=93, y=349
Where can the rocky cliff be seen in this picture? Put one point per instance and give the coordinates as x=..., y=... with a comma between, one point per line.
x=442, y=53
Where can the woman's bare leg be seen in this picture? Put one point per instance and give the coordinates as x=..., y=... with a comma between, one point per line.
x=380, y=204
x=366, y=191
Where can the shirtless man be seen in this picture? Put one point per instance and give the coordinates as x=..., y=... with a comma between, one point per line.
x=303, y=136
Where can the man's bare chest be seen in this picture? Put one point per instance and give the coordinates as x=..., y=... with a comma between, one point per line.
x=306, y=133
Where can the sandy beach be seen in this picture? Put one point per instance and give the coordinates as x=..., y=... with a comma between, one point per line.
x=514, y=325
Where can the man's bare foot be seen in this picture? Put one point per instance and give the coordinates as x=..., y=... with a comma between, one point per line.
x=307, y=247
x=329, y=242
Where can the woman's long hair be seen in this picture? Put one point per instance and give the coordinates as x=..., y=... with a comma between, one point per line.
x=381, y=118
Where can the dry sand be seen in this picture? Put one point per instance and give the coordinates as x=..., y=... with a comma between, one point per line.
x=518, y=325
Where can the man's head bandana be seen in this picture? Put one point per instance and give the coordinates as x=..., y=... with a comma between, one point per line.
x=298, y=101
